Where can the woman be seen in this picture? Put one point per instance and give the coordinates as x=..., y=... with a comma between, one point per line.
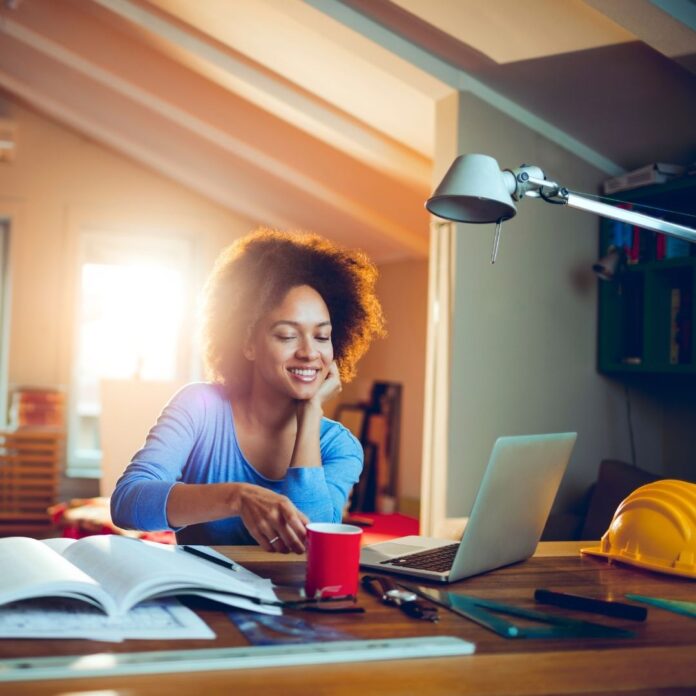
x=249, y=457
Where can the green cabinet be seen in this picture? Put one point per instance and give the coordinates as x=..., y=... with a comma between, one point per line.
x=647, y=313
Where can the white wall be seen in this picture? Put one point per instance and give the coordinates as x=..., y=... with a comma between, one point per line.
x=58, y=183
x=524, y=330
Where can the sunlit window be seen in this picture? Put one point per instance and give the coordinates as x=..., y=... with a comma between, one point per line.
x=132, y=308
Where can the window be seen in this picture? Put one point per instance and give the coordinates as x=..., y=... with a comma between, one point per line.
x=134, y=311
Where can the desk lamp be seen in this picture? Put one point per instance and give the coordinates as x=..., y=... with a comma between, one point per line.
x=475, y=190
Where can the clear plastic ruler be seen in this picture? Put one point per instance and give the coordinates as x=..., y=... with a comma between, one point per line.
x=163, y=661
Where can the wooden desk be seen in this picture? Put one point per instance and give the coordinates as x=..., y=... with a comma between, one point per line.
x=660, y=658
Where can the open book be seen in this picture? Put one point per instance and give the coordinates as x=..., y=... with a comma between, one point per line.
x=116, y=573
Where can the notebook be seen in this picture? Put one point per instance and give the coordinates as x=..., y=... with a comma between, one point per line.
x=509, y=513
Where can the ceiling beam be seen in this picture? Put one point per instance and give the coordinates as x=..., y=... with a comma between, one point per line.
x=318, y=192
x=98, y=131
x=657, y=23
x=278, y=96
x=459, y=79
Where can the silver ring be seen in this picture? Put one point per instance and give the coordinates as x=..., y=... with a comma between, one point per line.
x=273, y=540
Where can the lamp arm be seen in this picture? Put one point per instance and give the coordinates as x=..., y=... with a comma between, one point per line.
x=630, y=216
x=529, y=181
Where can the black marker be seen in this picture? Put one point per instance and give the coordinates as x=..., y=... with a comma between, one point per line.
x=213, y=559
x=597, y=606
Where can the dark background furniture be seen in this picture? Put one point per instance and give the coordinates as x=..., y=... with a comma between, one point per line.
x=615, y=480
x=646, y=314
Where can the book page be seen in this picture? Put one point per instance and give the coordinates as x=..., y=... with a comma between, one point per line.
x=58, y=544
x=66, y=618
x=132, y=571
x=30, y=569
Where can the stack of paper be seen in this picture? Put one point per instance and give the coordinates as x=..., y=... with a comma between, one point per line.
x=66, y=618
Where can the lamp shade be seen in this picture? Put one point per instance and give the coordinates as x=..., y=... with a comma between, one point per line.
x=473, y=190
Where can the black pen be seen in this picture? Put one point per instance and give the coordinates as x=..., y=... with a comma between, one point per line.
x=597, y=606
x=213, y=559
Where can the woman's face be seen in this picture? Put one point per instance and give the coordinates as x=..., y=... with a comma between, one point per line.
x=291, y=348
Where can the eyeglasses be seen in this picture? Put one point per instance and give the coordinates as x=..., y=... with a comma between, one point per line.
x=393, y=595
x=294, y=598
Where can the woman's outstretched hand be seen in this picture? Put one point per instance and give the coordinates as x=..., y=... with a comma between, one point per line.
x=271, y=519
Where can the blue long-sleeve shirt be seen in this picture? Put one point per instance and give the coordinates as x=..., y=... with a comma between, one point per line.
x=194, y=441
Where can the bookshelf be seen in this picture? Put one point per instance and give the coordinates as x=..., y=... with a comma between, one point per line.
x=647, y=320
x=31, y=461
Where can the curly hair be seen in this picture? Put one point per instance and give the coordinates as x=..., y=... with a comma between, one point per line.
x=253, y=275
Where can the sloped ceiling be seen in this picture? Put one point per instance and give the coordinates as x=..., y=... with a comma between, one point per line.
x=319, y=114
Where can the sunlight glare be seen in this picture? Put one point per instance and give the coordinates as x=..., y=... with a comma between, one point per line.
x=131, y=318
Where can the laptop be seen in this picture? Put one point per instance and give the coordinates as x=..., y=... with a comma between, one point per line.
x=511, y=508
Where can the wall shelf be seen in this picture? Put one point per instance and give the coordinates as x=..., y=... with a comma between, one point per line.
x=647, y=314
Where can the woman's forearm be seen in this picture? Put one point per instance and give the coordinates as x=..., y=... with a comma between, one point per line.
x=270, y=518
x=307, y=451
x=190, y=503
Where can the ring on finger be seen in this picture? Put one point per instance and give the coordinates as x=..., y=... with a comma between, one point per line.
x=273, y=540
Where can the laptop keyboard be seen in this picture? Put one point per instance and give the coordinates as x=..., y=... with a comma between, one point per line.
x=438, y=560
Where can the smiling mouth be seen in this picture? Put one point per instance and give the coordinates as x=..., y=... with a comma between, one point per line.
x=305, y=374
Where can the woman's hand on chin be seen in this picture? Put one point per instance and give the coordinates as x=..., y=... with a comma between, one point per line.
x=330, y=387
x=272, y=519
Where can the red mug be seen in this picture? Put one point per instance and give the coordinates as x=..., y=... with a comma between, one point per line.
x=333, y=559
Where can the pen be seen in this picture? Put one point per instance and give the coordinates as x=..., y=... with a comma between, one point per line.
x=596, y=606
x=213, y=559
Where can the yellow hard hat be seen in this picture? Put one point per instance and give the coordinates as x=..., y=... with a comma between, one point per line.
x=654, y=528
